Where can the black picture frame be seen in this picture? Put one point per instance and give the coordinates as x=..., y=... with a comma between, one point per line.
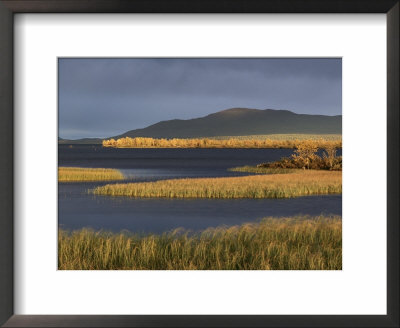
x=10, y=7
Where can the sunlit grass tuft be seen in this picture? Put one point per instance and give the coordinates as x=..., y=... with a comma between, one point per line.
x=76, y=174
x=274, y=244
x=301, y=183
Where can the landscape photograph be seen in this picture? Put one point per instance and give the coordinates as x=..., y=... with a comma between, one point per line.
x=199, y=164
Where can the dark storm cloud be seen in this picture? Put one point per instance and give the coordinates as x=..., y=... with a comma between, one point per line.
x=105, y=97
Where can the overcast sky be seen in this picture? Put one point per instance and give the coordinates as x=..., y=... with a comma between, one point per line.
x=106, y=97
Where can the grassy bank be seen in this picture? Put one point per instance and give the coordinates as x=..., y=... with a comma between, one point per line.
x=76, y=174
x=234, y=142
x=262, y=170
x=274, y=244
x=301, y=183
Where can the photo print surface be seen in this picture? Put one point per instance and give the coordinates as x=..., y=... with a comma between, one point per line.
x=200, y=164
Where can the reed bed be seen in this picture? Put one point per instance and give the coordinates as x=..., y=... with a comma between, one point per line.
x=234, y=142
x=301, y=183
x=274, y=244
x=262, y=170
x=76, y=174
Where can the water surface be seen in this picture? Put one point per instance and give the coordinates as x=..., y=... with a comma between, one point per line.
x=78, y=208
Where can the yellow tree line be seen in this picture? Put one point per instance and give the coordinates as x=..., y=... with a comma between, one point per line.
x=141, y=142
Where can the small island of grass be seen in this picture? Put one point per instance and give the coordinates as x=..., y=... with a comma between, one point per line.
x=301, y=183
x=77, y=174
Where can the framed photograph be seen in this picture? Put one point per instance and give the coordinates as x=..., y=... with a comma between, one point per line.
x=199, y=164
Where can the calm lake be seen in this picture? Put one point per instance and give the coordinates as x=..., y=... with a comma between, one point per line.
x=77, y=208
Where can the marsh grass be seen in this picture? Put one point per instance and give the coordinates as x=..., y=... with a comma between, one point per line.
x=301, y=183
x=76, y=174
x=220, y=142
x=262, y=170
x=274, y=244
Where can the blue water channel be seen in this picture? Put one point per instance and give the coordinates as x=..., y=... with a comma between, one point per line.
x=77, y=208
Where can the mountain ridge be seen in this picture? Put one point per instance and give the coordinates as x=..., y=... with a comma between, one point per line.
x=237, y=121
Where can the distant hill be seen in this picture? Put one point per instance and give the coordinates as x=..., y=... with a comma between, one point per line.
x=62, y=141
x=233, y=122
x=241, y=122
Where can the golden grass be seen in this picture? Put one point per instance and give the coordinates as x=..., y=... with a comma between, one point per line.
x=273, y=244
x=76, y=174
x=234, y=142
x=263, y=170
x=301, y=183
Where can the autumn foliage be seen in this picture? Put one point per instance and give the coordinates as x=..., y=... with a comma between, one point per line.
x=306, y=157
x=219, y=143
